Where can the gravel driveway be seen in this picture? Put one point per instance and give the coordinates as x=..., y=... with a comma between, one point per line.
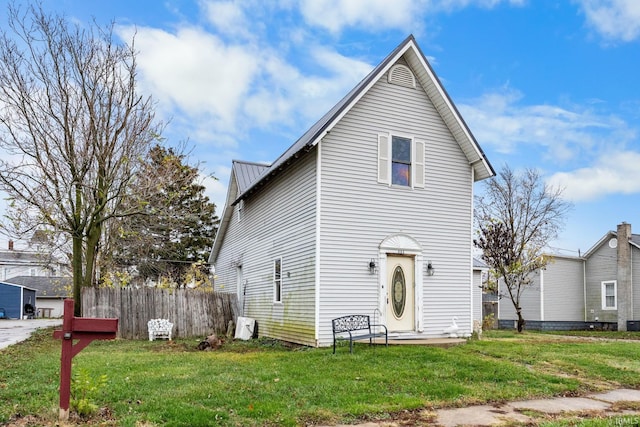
x=13, y=331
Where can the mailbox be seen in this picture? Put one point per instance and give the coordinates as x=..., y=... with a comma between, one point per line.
x=83, y=330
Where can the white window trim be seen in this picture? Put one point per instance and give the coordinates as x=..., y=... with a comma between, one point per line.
x=604, y=294
x=385, y=160
x=275, y=281
x=240, y=209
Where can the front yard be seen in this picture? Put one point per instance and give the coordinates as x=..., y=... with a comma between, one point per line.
x=265, y=383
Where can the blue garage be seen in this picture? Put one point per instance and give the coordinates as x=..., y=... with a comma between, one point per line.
x=16, y=301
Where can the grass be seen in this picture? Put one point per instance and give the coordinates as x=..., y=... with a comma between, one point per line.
x=263, y=383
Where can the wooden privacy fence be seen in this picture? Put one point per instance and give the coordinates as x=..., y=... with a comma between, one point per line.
x=194, y=313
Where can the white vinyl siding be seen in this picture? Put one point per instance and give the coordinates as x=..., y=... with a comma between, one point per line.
x=358, y=213
x=530, y=301
x=601, y=266
x=609, y=295
x=555, y=294
x=564, y=283
x=278, y=221
x=477, y=295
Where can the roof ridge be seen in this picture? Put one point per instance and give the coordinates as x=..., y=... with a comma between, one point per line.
x=248, y=162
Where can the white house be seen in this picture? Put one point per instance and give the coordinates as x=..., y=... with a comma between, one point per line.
x=369, y=212
x=32, y=260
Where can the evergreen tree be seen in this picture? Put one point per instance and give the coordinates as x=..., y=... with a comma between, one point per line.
x=171, y=242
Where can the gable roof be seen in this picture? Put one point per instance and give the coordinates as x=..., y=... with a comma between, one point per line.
x=633, y=241
x=15, y=285
x=479, y=264
x=52, y=287
x=432, y=86
x=246, y=173
x=247, y=177
x=22, y=257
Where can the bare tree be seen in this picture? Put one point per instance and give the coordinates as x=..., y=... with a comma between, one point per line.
x=74, y=129
x=516, y=218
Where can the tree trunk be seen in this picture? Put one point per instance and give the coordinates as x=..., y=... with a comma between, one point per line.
x=93, y=239
x=521, y=321
x=77, y=274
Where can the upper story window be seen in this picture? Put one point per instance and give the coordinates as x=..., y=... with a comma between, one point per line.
x=609, y=295
x=401, y=160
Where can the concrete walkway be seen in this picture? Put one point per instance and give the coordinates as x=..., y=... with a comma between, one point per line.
x=600, y=404
x=14, y=331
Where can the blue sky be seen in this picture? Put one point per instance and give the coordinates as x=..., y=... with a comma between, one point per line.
x=552, y=85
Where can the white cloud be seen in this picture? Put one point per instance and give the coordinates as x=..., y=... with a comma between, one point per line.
x=459, y=4
x=215, y=189
x=218, y=91
x=286, y=93
x=501, y=120
x=228, y=17
x=334, y=15
x=375, y=15
x=613, y=19
x=194, y=71
x=615, y=173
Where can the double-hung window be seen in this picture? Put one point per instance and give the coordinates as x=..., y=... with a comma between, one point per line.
x=400, y=160
x=277, y=280
x=609, y=295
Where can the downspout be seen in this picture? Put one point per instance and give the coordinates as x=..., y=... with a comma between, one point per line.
x=584, y=287
x=21, y=303
x=542, y=295
x=318, y=246
x=470, y=269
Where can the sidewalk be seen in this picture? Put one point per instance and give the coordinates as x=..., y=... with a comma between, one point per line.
x=14, y=331
x=600, y=404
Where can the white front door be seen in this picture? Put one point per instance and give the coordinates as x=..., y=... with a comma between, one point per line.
x=400, y=293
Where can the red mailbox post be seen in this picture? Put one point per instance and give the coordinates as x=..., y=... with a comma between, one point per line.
x=83, y=330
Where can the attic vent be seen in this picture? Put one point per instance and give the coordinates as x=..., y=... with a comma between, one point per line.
x=401, y=75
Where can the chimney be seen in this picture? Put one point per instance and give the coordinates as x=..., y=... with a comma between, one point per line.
x=625, y=291
x=10, y=245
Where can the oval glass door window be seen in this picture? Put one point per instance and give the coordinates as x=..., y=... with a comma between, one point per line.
x=398, y=292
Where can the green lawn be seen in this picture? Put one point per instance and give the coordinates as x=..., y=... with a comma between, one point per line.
x=264, y=383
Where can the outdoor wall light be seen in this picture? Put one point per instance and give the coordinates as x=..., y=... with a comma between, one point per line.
x=372, y=266
x=430, y=270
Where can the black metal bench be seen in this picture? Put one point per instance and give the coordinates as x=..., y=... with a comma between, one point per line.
x=353, y=323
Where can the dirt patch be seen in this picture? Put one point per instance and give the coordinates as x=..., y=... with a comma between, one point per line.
x=103, y=418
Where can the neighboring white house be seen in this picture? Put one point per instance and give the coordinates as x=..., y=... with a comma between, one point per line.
x=369, y=212
x=480, y=272
x=598, y=289
x=29, y=261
